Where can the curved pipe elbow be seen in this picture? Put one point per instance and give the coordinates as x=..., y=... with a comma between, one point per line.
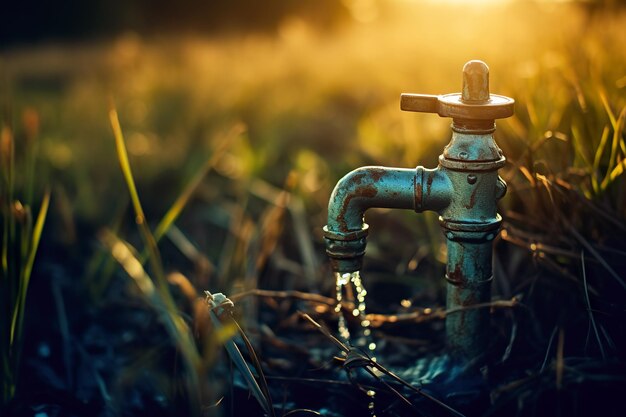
x=345, y=233
x=365, y=188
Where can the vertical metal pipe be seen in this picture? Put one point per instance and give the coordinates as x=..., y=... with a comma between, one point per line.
x=470, y=222
x=469, y=276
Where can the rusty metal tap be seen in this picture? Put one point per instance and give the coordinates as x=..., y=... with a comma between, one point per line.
x=463, y=190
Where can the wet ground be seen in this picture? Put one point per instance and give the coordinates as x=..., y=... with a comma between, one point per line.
x=114, y=358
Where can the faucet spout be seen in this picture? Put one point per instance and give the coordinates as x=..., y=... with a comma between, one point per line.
x=416, y=189
x=369, y=187
x=361, y=189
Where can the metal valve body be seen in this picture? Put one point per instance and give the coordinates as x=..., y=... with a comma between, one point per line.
x=463, y=190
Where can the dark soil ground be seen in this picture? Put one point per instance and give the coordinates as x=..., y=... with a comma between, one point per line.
x=113, y=357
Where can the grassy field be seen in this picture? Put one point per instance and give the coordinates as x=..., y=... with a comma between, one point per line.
x=236, y=141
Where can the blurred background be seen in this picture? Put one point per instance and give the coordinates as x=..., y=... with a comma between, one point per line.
x=239, y=117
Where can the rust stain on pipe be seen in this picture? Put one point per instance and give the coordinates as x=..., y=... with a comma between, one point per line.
x=472, y=200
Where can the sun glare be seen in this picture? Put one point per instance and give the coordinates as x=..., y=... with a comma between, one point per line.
x=365, y=11
x=459, y=2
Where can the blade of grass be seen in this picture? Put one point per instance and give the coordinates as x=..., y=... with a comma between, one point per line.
x=204, y=266
x=122, y=157
x=596, y=255
x=25, y=217
x=7, y=154
x=509, y=347
x=140, y=218
x=548, y=186
x=342, y=347
x=598, y=158
x=579, y=147
x=617, y=171
x=101, y=384
x=302, y=410
x=591, y=318
x=257, y=364
x=64, y=328
x=545, y=359
x=172, y=214
x=608, y=338
x=607, y=108
x=17, y=321
x=28, y=267
x=527, y=174
x=614, y=168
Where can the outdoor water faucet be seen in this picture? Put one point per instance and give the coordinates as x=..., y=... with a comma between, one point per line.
x=463, y=190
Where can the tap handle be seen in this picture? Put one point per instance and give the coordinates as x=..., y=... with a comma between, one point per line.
x=473, y=103
x=422, y=103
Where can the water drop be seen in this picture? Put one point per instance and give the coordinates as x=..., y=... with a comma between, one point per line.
x=371, y=406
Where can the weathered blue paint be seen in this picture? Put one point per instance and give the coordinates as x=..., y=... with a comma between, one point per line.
x=463, y=190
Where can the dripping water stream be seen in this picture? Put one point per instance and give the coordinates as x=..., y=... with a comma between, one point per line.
x=347, y=285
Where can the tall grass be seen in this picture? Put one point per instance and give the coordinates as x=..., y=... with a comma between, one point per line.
x=20, y=241
x=247, y=135
x=157, y=288
x=158, y=296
